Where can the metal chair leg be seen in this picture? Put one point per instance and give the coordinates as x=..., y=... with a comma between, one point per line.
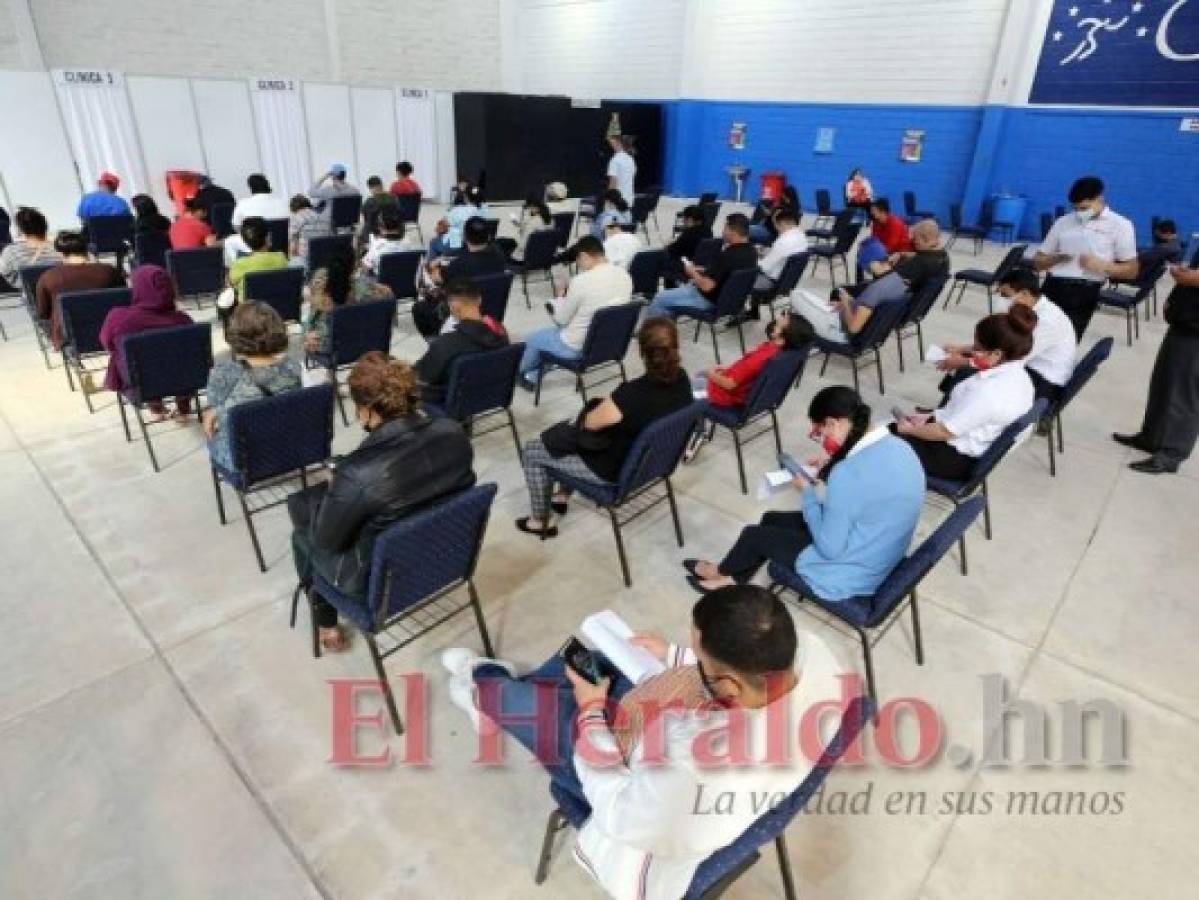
x=857, y=383
x=488, y=650
x=778, y=441
x=674, y=512
x=337, y=393
x=124, y=417
x=520, y=453
x=1061, y=440
x=384, y=683
x=962, y=548
x=824, y=365
x=624, y=562
x=899, y=346
x=540, y=378
x=868, y=659
x=916, y=630
x=556, y=823
x=1052, y=454
x=66, y=368
x=245, y=510
x=220, y=503
x=780, y=848
x=920, y=339
x=986, y=511
x=715, y=343
x=740, y=460
x=878, y=364
x=141, y=423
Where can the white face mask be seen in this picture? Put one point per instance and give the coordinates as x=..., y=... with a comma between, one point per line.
x=1085, y=215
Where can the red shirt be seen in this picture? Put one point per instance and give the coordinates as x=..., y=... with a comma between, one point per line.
x=404, y=186
x=893, y=234
x=189, y=233
x=743, y=372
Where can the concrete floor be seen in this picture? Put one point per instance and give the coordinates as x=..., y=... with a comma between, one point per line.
x=163, y=733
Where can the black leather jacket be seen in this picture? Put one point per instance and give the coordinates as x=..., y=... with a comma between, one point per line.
x=402, y=465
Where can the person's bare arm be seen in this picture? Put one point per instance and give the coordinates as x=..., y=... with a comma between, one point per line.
x=855, y=317
x=1042, y=261
x=605, y=414
x=1125, y=271
x=1184, y=276
x=932, y=430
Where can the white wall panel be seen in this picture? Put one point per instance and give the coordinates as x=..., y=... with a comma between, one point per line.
x=35, y=161
x=227, y=132
x=374, y=133
x=330, y=129
x=166, y=123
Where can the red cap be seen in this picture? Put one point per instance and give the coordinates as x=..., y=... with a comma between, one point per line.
x=110, y=179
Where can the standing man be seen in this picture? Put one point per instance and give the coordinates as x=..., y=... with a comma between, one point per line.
x=103, y=201
x=1083, y=250
x=1171, y=424
x=621, y=167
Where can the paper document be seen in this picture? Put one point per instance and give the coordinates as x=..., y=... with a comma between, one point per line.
x=609, y=634
x=934, y=354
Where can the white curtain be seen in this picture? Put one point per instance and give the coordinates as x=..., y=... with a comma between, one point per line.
x=282, y=137
x=416, y=123
x=100, y=128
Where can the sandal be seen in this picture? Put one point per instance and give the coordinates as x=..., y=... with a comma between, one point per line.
x=542, y=532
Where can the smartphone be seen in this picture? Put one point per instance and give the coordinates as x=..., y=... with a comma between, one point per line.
x=582, y=660
x=791, y=464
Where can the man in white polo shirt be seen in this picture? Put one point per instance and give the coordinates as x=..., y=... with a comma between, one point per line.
x=1083, y=249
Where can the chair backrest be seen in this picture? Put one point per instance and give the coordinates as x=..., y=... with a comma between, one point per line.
x=923, y=300
x=711, y=212
x=109, y=234
x=706, y=252
x=775, y=820
x=344, y=211
x=198, y=271
x=707, y=197
x=955, y=215
x=541, y=248
x=658, y=448
x=409, y=205
x=912, y=568
x=774, y=382
x=609, y=334
x=824, y=202
x=909, y=203
x=885, y=319
x=398, y=270
x=1147, y=278
x=1083, y=372
x=150, y=248
x=168, y=362
x=564, y=224
x=220, y=219
x=495, y=289
x=321, y=249
x=482, y=382
x=645, y=269
x=735, y=291
x=358, y=328
x=276, y=234
x=493, y=229
x=30, y=275
x=83, y=314
x=281, y=289
x=999, y=448
x=282, y=433
x=845, y=230
x=642, y=206
x=1009, y=262
x=404, y=572
x=653, y=194
x=793, y=269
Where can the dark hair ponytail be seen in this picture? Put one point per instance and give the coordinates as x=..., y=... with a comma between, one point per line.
x=839, y=402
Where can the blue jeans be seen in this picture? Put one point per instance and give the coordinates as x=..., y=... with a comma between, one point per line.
x=544, y=340
x=670, y=303
x=518, y=697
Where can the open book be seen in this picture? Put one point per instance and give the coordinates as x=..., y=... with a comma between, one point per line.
x=609, y=634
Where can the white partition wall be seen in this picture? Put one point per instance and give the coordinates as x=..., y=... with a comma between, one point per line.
x=416, y=118
x=35, y=160
x=330, y=130
x=282, y=136
x=99, y=125
x=166, y=123
x=227, y=131
x=374, y=115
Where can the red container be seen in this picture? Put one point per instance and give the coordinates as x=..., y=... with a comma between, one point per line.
x=772, y=185
x=181, y=185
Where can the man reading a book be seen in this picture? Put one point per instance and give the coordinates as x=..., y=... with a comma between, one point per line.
x=670, y=766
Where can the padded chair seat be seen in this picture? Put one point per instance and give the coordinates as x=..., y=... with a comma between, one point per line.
x=855, y=610
x=823, y=251
x=821, y=233
x=573, y=365
x=975, y=276
x=839, y=348
x=1118, y=298
x=944, y=486
x=605, y=493
x=436, y=410
x=728, y=416
x=353, y=608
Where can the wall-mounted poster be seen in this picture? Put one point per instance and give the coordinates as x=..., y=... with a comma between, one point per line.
x=911, y=146
x=737, y=136
x=825, y=137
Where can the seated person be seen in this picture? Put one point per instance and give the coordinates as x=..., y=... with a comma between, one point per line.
x=889, y=234
x=147, y=218
x=686, y=242
x=261, y=204
x=613, y=424
x=191, y=230
x=636, y=769
x=1165, y=248
x=429, y=313
x=858, y=516
x=849, y=309
x=333, y=286
x=473, y=332
x=407, y=461
x=404, y=183
x=465, y=204
x=260, y=259
x=78, y=272
x=790, y=239
x=332, y=184
x=763, y=229
x=389, y=238
x=1050, y=363
x=152, y=306
x=303, y=224
x=31, y=248
x=598, y=284
x=104, y=200
x=950, y=440
x=703, y=287
x=614, y=209
x=377, y=199
x=534, y=216
x=259, y=368
x=620, y=246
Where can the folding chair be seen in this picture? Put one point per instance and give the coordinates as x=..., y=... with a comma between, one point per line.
x=280, y=289
x=844, y=232
x=409, y=205
x=399, y=271
x=911, y=213
x=916, y=311
x=29, y=277
x=495, y=290
x=541, y=249
x=793, y=269
x=729, y=305
x=607, y=344
x=83, y=314
x=975, y=233
x=482, y=385
x=322, y=249
x=1083, y=372
x=1143, y=287
x=645, y=268
x=220, y=219
x=870, y=339
x=109, y=235
x=277, y=231
x=985, y=279
x=344, y=213
x=150, y=248
x=198, y=274
x=354, y=329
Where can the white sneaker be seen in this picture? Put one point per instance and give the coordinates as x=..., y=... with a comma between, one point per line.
x=462, y=695
x=461, y=662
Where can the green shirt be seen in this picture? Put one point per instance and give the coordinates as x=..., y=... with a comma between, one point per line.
x=261, y=261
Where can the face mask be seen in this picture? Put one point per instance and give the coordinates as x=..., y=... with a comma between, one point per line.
x=981, y=361
x=1084, y=215
x=709, y=686
x=828, y=442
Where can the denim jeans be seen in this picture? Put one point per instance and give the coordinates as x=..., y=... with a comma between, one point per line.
x=544, y=340
x=670, y=303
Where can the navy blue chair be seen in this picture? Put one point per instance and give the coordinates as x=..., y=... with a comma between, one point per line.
x=399, y=270
x=482, y=385
x=643, y=205
x=911, y=213
x=769, y=391
x=280, y=289
x=730, y=304
x=984, y=279
x=645, y=268
x=220, y=219
x=870, y=339
x=354, y=329
x=1083, y=372
x=30, y=276
x=823, y=223
x=541, y=249
x=277, y=234
x=495, y=290
x=916, y=310
x=652, y=460
x=959, y=491
x=274, y=440
x=161, y=365
x=409, y=206
x=844, y=232
x=872, y=616
x=83, y=314
x=976, y=233
x=1143, y=287
x=322, y=248
x=606, y=344
x=720, y=870
x=198, y=274
x=109, y=235
x=150, y=248
x=788, y=280
x=1046, y=224
x=564, y=224
x=344, y=212
x=409, y=590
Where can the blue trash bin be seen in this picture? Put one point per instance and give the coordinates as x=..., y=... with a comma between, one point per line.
x=1007, y=208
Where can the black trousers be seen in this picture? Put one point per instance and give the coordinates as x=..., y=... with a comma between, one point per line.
x=778, y=537
x=939, y=458
x=1077, y=297
x=1171, y=424
x=302, y=507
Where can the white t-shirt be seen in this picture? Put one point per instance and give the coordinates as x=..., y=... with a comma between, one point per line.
x=379, y=246
x=983, y=405
x=1109, y=236
x=621, y=248
x=265, y=206
x=622, y=168
x=787, y=244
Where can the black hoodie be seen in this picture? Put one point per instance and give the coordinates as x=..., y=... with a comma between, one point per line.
x=469, y=336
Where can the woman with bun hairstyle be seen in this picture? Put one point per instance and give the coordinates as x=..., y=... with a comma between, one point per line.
x=949, y=440
x=407, y=461
x=857, y=513
x=595, y=448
